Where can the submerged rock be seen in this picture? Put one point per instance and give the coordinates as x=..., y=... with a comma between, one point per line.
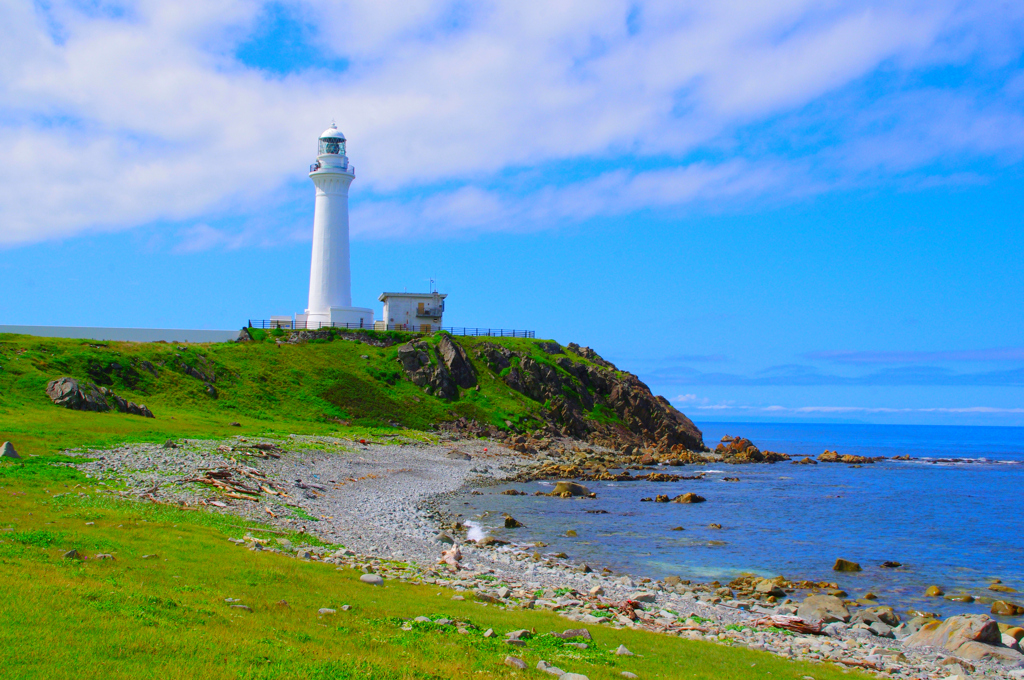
x=845, y=565
x=569, y=489
x=688, y=498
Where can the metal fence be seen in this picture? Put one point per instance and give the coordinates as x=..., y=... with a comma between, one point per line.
x=316, y=325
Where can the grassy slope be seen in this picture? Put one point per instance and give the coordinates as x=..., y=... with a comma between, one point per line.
x=263, y=386
x=166, y=616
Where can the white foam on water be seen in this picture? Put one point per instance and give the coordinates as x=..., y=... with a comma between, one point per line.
x=718, y=471
x=476, y=532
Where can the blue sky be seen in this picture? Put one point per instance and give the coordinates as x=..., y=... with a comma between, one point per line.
x=777, y=210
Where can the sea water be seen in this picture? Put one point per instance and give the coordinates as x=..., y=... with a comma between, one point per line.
x=952, y=516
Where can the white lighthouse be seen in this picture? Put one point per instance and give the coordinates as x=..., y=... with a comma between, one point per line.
x=330, y=280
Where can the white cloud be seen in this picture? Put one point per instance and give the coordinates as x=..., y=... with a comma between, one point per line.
x=115, y=116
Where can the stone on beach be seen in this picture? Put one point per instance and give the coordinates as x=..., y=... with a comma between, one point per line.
x=823, y=608
x=969, y=636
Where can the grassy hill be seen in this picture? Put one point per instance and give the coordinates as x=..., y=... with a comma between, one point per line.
x=319, y=386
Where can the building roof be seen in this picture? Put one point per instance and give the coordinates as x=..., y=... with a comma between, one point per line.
x=332, y=133
x=384, y=296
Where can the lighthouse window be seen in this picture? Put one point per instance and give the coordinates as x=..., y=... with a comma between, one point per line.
x=332, y=145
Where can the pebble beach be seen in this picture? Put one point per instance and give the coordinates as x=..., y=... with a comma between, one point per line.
x=389, y=505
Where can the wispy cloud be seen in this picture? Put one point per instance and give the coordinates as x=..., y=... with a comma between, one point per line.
x=1012, y=354
x=800, y=375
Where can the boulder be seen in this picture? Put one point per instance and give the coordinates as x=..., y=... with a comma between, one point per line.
x=372, y=579
x=512, y=523
x=661, y=498
x=1004, y=608
x=7, y=451
x=770, y=588
x=969, y=636
x=823, y=608
x=67, y=392
x=845, y=565
x=688, y=498
x=515, y=662
x=1000, y=588
x=934, y=591
x=568, y=489
x=883, y=615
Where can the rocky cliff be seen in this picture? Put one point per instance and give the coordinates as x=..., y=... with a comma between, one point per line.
x=577, y=392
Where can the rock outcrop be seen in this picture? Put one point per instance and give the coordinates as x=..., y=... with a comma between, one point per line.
x=456, y=361
x=439, y=370
x=7, y=451
x=67, y=392
x=591, y=398
x=834, y=457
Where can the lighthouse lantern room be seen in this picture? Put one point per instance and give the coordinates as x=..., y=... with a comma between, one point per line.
x=330, y=279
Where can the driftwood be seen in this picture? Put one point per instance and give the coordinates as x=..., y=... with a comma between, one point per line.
x=793, y=623
x=628, y=609
x=858, y=664
x=226, y=479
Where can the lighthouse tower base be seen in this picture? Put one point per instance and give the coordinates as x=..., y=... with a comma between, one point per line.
x=350, y=317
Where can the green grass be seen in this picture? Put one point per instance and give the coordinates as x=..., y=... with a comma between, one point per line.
x=166, y=616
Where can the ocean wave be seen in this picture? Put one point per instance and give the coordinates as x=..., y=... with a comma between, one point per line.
x=474, y=531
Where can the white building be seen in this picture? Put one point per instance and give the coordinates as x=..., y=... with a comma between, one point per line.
x=412, y=311
x=330, y=280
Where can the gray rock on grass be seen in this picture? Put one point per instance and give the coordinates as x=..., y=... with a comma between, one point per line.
x=372, y=579
x=515, y=662
x=7, y=451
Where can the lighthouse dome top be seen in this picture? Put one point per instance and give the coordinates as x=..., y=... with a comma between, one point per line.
x=332, y=141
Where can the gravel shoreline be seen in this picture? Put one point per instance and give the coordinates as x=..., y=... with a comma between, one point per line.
x=385, y=503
